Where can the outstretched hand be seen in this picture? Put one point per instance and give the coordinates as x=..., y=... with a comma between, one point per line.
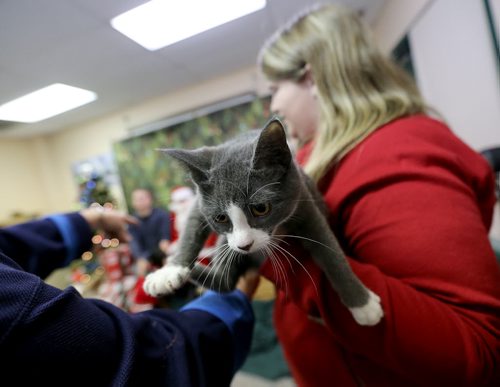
x=112, y=222
x=249, y=282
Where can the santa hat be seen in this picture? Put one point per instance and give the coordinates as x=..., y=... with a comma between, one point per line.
x=181, y=193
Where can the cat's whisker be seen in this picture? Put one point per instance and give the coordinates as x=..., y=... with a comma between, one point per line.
x=214, y=264
x=274, y=259
x=310, y=240
x=264, y=186
x=300, y=264
x=269, y=253
x=224, y=263
x=214, y=252
x=295, y=218
x=205, y=226
x=275, y=247
x=280, y=264
x=214, y=269
x=234, y=256
x=285, y=253
x=221, y=259
x=228, y=261
x=216, y=249
x=248, y=181
x=224, y=266
x=208, y=267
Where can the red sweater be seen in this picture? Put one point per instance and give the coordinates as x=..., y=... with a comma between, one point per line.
x=411, y=206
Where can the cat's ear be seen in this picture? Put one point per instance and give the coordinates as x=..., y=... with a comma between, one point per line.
x=198, y=161
x=272, y=148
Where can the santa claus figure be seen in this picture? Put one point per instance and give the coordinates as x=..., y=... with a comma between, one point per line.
x=181, y=200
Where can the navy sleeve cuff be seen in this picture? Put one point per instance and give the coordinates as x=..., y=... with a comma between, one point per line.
x=235, y=311
x=75, y=232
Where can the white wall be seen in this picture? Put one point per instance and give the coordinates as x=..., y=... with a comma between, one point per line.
x=456, y=70
x=395, y=20
x=22, y=186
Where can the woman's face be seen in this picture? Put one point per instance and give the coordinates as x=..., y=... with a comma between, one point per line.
x=297, y=105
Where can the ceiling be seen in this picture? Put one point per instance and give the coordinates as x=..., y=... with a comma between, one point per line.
x=72, y=42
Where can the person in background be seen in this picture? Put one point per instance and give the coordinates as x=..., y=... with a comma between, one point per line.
x=410, y=204
x=55, y=337
x=181, y=200
x=151, y=236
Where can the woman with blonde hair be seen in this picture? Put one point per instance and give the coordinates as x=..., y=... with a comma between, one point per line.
x=411, y=206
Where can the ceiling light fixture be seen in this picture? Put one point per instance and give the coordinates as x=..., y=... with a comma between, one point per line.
x=44, y=103
x=159, y=23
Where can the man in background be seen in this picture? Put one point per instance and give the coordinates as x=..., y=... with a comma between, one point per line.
x=151, y=236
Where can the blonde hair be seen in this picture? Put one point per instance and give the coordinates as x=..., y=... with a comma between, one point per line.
x=358, y=88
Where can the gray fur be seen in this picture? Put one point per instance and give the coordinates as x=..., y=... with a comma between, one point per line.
x=257, y=167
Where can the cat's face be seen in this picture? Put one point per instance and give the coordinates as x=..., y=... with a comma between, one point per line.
x=247, y=219
x=247, y=187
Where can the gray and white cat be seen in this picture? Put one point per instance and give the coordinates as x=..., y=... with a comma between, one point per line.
x=251, y=192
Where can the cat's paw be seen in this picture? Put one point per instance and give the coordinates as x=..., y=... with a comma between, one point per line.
x=165, y=280
x=369, y=314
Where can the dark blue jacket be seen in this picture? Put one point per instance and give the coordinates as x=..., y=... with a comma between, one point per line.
x=55, y=337
x=149, y=232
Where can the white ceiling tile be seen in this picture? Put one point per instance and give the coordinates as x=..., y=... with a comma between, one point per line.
x=72, y=42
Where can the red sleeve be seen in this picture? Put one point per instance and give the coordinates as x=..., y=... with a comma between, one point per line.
x=412, y=213
x=174, y=233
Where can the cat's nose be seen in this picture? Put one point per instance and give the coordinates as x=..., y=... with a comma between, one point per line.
x=246, y=247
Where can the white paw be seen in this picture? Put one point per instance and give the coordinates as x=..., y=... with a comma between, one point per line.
x=369, y=314
x=165, y=280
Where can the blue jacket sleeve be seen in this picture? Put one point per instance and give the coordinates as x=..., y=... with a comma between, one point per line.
x=40, y=246
x=235, y=318
x=63, y=339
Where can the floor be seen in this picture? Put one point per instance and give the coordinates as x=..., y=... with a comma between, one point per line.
x=247, y=380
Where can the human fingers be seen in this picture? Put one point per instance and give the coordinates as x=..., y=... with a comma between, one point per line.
x=131, y=220
x=249, y=282
x=114, y=224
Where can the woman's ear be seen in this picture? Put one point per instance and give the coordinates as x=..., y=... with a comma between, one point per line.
x=308, y=79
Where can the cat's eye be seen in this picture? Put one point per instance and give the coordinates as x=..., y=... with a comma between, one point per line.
x=261, y=209
x=221, y=218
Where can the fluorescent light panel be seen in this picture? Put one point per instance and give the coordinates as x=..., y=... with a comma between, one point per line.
x=159, y=23
x=44, y=103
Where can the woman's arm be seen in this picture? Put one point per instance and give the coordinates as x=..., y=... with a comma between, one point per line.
x=414, y=225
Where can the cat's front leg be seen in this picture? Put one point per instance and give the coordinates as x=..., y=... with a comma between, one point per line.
x=176, y=272
x=166, y=280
